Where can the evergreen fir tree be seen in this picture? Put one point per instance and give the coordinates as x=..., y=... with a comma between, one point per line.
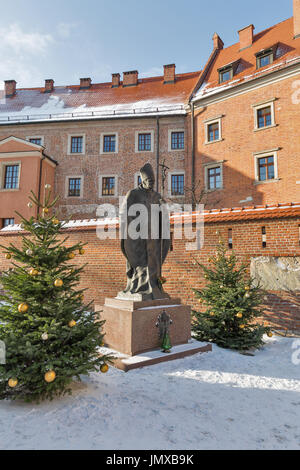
x=232, y=304
x=51, y=335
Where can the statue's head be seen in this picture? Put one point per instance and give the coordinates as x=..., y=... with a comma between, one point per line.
x=147, y=176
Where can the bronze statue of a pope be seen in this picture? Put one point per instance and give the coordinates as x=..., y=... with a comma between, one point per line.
x=145, y=239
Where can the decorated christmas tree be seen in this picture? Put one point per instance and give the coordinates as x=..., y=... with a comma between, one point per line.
x=231, y=300
x=51, y=335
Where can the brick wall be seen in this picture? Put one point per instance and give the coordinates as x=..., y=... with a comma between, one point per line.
x=105, y=273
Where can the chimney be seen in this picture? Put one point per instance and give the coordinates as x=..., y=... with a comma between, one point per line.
x=169, y=73
x=218, y=43
x=10, y=87
x=115, y=83
x=296, y=19
x=246, y=37
x=85, y=82
x=49, y=85
x=130, y=78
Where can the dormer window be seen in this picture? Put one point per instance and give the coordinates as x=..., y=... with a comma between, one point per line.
x=265, y=57
x=225, y=74
x=228, y=71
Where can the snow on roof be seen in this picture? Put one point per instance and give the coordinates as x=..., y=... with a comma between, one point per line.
x=286, y=53
x=261, y=211
x=150, y=96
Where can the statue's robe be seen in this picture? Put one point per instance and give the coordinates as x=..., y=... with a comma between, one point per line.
x=144, y=256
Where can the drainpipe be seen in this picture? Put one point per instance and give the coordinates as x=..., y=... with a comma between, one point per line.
x=193, y=148
x=157, y=153
x=40, y=182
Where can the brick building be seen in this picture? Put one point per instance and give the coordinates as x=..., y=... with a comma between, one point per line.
x=100, y=135
x=223, y=134
x=246, y=119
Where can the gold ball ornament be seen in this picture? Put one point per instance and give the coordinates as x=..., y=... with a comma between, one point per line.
x=50, y=376
x=55, y=221
x=71, y=255
x=12, y=383
x=33, y=272
x=104, y=368
x=81, y=251
x=242, y=327
x=212, y=314
x=72, y=323
x=8, y=256
x=45, y=210
x=239, y=315
x=270, y=334
x=247, y=288
x=58, y=283
x=23, y=307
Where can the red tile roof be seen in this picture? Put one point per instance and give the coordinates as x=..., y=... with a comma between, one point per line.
x=288, y=51
x=150, y=93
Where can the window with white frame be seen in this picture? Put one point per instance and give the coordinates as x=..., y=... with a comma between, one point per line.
x=175, y=139
x=144, y=141
x=213, y=176
x=74, y=186
x=10, y=175
x=264, y=115
x=76, y=144
x=36, y=139
x=266, y=169
x=213, y=130
x=176, y=183
x=108, y=186
x=109, y=142
x=8, y=221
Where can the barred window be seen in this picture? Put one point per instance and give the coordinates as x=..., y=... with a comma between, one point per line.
x=177, y=185
x=266, y=169
x=11, y=177
x=7, y=222
x=109, y=143
x=264, y=117
x=36, y=140
x=144, y=142
x=214, y=177
x=77, y=144
x=108, y=186
x=177, y=140
x=74, y=187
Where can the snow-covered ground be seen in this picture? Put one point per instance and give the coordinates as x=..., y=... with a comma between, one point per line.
x=217, y=400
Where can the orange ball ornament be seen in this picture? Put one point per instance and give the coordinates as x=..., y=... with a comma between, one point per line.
x=239, y=315
x=104, y=368
x=50, y=376
x=23, y=308
x=58, y=282
x=12, y=383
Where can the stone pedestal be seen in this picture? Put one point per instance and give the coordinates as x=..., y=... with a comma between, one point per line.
x=130, y=326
